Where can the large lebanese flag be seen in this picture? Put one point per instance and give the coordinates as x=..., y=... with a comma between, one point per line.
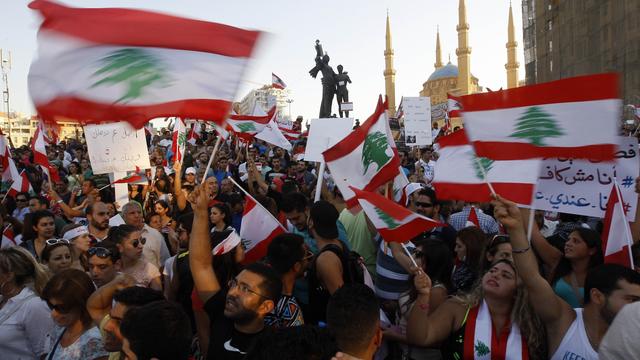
x=258, y=228
x=394, y=222
x=576, y=117
x=116, y=64
x=616, y=233
x=364, y=159
x=459, y=176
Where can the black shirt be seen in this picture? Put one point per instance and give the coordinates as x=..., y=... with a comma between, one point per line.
x=225, y=342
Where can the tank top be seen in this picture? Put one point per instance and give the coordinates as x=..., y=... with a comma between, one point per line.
x=575, y=343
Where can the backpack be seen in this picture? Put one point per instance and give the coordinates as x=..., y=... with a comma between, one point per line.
x=352, y=265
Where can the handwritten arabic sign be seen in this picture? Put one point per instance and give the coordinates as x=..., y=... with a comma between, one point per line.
x=582, y=187
x=116, y=147
x=417, y=120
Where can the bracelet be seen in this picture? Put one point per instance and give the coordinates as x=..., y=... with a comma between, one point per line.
x=521, y=251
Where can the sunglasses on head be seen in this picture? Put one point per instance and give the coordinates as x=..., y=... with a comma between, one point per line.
x=99, y=252
x=57, y=241
x=62, y=309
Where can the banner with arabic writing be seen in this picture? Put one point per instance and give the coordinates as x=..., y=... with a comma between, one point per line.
x=582, y=186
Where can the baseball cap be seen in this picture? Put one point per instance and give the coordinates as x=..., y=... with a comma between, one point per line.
x=190, y=170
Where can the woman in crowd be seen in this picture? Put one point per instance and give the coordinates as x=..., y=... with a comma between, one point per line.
x=154, y=220
x=464, y=325
x=74, y=176
x=130, y=243
x=469, y=244
x=24, y=317
x=40, y=228
x=499, y=248
x=161, y=207
x=75, y=337
x=582, y=252
x=85, y=167
x=434, y=258
x=57, y=255
x=78, y=236
x=220, y=217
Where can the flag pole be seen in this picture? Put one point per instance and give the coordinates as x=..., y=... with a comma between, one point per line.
x=213, y=154
x=409, y=255
x=484, y=174
x=532, y=213
x=252, y=198
x=627, y=230
x=319, y=182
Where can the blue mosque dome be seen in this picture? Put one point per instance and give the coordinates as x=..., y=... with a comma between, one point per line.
x=446, y=71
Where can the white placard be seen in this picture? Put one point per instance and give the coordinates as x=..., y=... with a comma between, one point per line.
x=582, y=187
x=417, y=120
x=323, y=134
x=116, y=147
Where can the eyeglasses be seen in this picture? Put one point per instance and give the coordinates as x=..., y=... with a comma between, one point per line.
x=99, y=252
x=423, y=204
x=62, y=309
x=57, y=241
x=243, y=288
x=137, y=242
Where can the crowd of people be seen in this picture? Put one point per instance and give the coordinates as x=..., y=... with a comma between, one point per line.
x=84, y=277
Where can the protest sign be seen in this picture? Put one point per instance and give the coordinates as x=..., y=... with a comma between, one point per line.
x=116, y=147
x=417, y=120
x=323, y=134
x=582, y=186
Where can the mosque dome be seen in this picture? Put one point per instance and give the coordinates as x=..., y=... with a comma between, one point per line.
x=446, y=71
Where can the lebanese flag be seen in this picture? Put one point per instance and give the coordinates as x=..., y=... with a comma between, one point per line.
x=228, y=244
x=290, y=134
x=276, y=82
x=179, y=140
x=272, y=134
x=258, y=228
x=8, y=237
x=459, y=173
x=394, y=222
x=39, y=150
x=113, y=64
x=365, y=159
x=248, y=126
x=454, y=106
x=575, y=117
x=616, y=234
x=20, y=184
x=195, y=133
x=131, y=178
x=9, y=169
x=473, y=217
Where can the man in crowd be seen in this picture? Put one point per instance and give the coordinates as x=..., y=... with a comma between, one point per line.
x=104, y=262
x=252, y=294
x=98, y=219
x=22, y=206
x=487, y=224
x=155, y=249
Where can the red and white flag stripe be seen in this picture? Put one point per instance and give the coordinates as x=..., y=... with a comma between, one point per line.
x=227, y=244
x=276, y=82
x=258, y=228
x=616, y=233
x=78, y=74
x=8, y=237
x=454, y=108
x=20, y=184
x=576, y=117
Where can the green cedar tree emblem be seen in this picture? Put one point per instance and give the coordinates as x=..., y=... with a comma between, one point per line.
x=481, y=166
x=482, y=349
x=387, y=219
x=375, y=150
x=182, y=138
x=137, y=68
x=247, y=127
x=536, y=125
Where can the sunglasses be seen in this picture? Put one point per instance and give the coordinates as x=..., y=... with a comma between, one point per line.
x=57, y=241
x=99, y=252
x=62, y=309
x=423, y=204
x=137, y=242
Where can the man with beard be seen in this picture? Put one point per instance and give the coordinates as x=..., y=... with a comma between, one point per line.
x=109, y=304
x=155, y=249
x=98, y=218
x=571, y=333
x=251, y=295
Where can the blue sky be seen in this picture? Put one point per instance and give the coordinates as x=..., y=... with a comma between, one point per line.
x=351, y=31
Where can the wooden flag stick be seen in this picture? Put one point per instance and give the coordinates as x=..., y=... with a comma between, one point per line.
x=409, y=255
x=213, y=154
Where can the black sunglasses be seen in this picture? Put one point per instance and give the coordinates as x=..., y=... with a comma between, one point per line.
x=62, y=309
x=137, y=242
x=99, y=252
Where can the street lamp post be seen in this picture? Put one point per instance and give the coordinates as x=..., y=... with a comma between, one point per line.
x=5, y=66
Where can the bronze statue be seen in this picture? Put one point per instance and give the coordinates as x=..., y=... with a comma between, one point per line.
x=342, y=93
x=328, y=80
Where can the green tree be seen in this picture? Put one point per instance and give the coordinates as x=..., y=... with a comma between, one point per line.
x=535, y=125
x=481, y=165
x=138, y=68
x=246, y=127
x=482, y=349
x=375, y=151
x=387, y=219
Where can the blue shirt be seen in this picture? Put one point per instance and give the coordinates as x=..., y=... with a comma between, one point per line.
x=487, y=224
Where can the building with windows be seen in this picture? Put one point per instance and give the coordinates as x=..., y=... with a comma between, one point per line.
x=265, y=97
x=21, y=127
